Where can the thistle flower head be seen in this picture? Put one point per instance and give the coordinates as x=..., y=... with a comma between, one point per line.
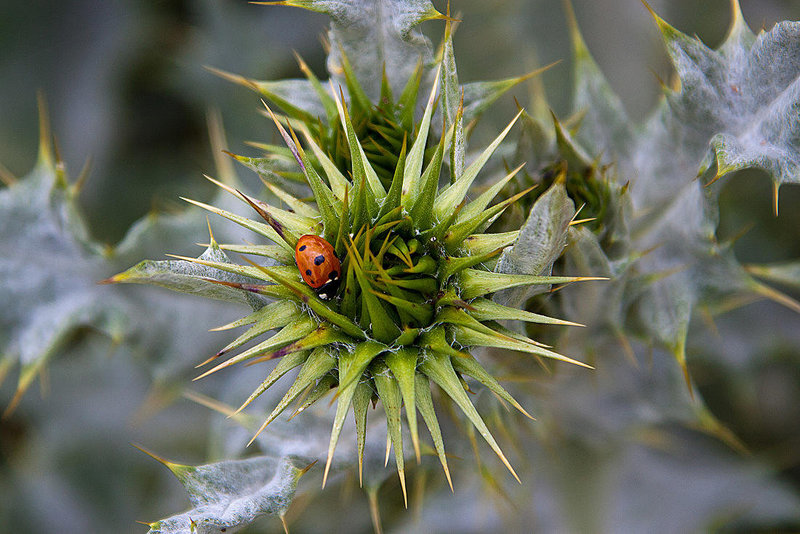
x=415, y=283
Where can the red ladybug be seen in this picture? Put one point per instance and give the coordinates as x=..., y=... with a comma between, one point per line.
x=318, y=264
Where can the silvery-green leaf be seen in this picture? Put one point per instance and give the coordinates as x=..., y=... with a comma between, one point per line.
x=50, y=270
x=229, y=495
x=192, y=278
x=541, y=241
x=375, y=35
x=743, y=97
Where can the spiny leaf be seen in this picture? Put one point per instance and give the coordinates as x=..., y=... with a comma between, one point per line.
x=457, y=233
x=479, y=204
x=336, y=179
x=605, y=128
x=452, y=103
x=470, y=366
x=317, y=365
x=475, y=283
x=452, y=195
x=479, y=244
x=324, y=97
x=265, y=230
x=422, y=210
x=297, y=205
x=403, y=364
x=454, y=265
x=469, y=337
x=389, y=41
x=352, y=365
x=742, y=97
x=361, y=400
x=412, y=172
x=787, y=273
x=276, y=252
x=478, y=96
x=231, y=494
x=389, y=392
x=541, y=241
x=487, y=310
x=297, y=98
x=322, y=194
x=392, y=200
x=425, y=406
x=361, y=166
x=190, y=276
x=295, y=330
x=438, y=368
x=275, y=315
x=285, y=364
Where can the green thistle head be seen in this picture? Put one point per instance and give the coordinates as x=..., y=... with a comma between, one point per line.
x=414, y=297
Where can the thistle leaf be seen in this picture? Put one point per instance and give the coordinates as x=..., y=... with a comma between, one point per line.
x=452, y=106
x=275, y=315
x=478, y=96
x=193, y=277
x=479, y=244
x=487, y=310
x=285, y=364
x=295, y=330
x=231, y=494
x=265, y=230
x=336, y=179
x=392, y=200
x=389, y=41
x=50, y=273
x=422, y=210
x=541, y=242
x=362, y=169
x=296, y=205
x=787, y=273
x=412, y=173
x=361, y=400
x=296, y=97
x=741, y=96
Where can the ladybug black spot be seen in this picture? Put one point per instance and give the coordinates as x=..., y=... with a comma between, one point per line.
x=308, y=272
x=333, y=276
x=319, y=260
x=301, y=249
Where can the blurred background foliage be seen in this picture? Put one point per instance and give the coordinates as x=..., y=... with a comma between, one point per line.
x=126, y=86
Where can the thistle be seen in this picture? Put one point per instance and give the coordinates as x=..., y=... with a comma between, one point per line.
x=415, y=289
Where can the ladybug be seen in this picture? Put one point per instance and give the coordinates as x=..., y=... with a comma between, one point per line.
x=318, y=264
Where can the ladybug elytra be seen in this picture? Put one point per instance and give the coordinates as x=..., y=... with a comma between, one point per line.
x=318, y=264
